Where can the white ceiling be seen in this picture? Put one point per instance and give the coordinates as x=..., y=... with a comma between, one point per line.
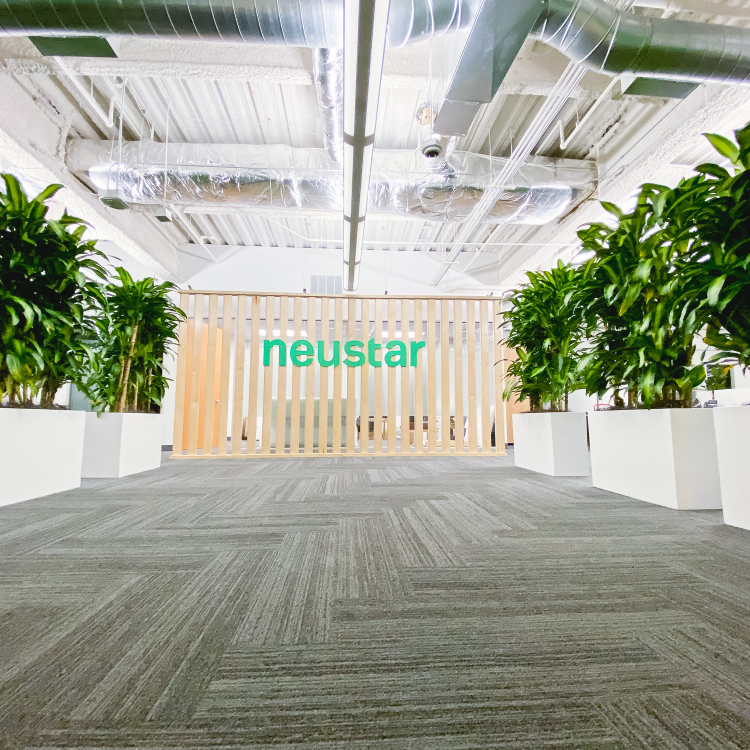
x=241, y=94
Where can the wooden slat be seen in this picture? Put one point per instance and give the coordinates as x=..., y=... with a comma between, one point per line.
x=458, y=372
x=180, y=380
x=377, y=377
x=418, y=397
x=294, y=416
x=325, y=324
x=404, y=376
x=486, y=406
x=310, y=379
x=195, y=385
x=239, y=375
x=431, y=380
x=499, y=369
x=351, y=394
x=338, y=332
x=255, y=363
x=281, y=389
x=265, y=425
x=209, y=400
x=391, y=379
x=471, y=373
x=364, y=384
x=445, y=392
x=188, y=381
x=226, y=347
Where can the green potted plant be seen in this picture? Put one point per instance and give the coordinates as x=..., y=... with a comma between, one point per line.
x=547, y=330
x=642, y=329
x=715, y=272
x=123, y=376
x=49, y=284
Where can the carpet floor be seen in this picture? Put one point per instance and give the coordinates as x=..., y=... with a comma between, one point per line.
x=369, y=603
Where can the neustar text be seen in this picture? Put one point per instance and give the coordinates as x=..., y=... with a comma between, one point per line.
x=357, y=353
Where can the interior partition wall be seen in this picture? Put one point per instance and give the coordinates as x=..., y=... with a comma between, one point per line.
x=304, y=375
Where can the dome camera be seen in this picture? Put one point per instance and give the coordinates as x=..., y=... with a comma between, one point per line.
x=432, y=148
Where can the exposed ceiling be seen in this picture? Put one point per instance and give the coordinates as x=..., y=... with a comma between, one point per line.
x=227, y=93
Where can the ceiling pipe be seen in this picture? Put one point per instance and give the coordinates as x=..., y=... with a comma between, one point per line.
x=306, y=23
x=328, y=75
x=608, y=40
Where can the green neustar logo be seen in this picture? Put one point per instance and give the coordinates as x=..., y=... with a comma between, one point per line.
x=302, y=353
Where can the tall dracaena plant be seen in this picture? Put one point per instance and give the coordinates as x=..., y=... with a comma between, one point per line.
x=49, y=280
x=546, y=320
x=713, y=211
x=641, y=334
x=139, y=323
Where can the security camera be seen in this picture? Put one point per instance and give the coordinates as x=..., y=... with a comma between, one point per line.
x=432, y=148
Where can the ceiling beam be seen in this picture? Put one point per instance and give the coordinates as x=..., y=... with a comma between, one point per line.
x=365, y=25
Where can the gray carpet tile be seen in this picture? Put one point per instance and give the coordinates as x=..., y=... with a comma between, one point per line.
x=348, y=604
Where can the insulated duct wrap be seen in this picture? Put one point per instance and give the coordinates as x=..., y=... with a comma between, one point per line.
x=602, y=38
x=328, y=74
x=241, y=178
x=306, y=23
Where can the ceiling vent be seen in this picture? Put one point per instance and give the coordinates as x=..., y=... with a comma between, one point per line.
x=326, y=284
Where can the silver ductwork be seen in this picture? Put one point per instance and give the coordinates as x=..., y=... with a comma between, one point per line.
x=306, y=23
x=602, y=38
x=328, y=74
x=404, y=183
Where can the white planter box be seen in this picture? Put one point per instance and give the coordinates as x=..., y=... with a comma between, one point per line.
x=663, y=456
x=732, y=425
x=551, y=443
x=40, y=452
x=117, y=445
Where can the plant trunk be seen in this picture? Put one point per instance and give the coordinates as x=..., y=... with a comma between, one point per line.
x=126, y=371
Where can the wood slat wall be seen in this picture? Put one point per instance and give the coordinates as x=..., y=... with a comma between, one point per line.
x=222, y=380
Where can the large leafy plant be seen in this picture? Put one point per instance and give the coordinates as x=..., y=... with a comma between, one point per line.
x=713, y=210
x=641, y=342
x=674, y=266
x=49, y=281
x=138, y=323
x=547, y=330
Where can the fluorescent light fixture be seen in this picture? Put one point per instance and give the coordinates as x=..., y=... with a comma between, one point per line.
x=365, y=32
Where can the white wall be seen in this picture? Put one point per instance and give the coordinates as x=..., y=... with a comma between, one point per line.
x=280, y=269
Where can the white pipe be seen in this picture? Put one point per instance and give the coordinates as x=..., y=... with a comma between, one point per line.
x=106, y=118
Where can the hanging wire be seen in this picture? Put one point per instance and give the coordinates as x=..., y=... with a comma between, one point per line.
x=166, y=154
x=122, y=112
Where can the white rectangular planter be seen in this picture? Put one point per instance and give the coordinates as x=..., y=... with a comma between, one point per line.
x=551, y=443
x=732, y=425
x=663, y=456
x=117, y=445
x=40, y=452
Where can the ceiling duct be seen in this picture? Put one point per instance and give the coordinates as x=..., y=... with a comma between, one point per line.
x=310, y=23
x=253, y=178
x=591, y=33
x=328, y=74
x=603, y=38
